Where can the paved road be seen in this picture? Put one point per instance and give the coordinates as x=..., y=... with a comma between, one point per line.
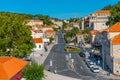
x=59, y=63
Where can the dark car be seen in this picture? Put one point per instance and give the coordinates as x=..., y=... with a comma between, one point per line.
x=27, y=58
x=82, y=54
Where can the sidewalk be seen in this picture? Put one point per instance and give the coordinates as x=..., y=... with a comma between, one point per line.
x=36, y=56
x=52, y=76
x=103, y=72
x=41, y=55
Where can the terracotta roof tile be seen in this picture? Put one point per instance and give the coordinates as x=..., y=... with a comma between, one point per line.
x=36, y=31
x=37, y=25
x=114, y=28
x=119, y=63
x=104, y=30
x=47, y=26
x=59, y=21
x=49, y=31
x=102, y=12
x=93, y=32
x=10, y=66
x=116, y=39
x=38, y=40
x=79, y=34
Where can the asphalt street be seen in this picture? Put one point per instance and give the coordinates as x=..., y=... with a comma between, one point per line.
x=60, y=64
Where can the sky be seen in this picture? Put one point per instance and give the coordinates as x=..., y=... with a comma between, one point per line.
x=62, y=9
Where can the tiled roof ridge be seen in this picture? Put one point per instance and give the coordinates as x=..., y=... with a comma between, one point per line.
x=115, y=38
x=102, y=11
x=114, y=28
x=49, y=30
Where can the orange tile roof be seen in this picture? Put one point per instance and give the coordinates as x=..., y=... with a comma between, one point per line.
x=10, y=66
x=104, y=30
x=36, y=31
x=116, y=39
x=102, y=12
x=79, y=34
x=49, y=31
x=37, y=25
x=114, y=28
x=118, y=63
x=38, y=40
x=59, y=21
x=93, y=32
x=47, y=26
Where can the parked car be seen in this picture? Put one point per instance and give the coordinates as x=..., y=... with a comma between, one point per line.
x=90, y=64
x=82, y=54
x=87, y=60
x=27, y=58
x=95, y=69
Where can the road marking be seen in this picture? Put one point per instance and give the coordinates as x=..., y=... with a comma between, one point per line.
x=63, y=70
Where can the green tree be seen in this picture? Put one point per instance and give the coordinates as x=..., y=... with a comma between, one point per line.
x=33, y=72
x=109, y=7
x=45, y=18
x=75, y=20
x=74, y=31
x=15, y=36
x=71, y=33
x=64, y=26
x=115, y=14
x=55, y=29
x=51, y=39
x=86, y=30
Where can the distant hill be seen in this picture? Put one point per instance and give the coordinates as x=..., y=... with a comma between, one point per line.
x=45, y=18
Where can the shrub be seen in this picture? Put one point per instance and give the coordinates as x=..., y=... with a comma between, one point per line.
x=71, y=49
x=33, y=72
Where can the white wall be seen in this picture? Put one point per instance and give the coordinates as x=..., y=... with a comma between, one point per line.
x=59, y=23
x=46, y=40
x=37, y=46
x=100, y=25
x=113, y=34
x=32, y=22
x=98, y=21
x=37, y=35
x=44, y=29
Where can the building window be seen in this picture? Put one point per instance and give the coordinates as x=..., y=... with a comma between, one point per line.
x=39, y=46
